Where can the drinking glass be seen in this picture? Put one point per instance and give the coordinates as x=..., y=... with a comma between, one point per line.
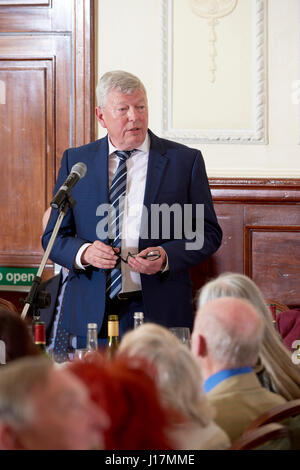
x=183, y=334
x=80, y=354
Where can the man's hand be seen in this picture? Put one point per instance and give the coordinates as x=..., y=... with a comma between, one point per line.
x=99, y=255
x=145, y=266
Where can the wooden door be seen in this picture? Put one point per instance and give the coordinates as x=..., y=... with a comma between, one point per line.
x=46, y=106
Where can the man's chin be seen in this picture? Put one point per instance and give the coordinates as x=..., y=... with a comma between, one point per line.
x=134, y=139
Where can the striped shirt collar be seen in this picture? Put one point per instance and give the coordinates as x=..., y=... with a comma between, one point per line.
x=144, y=147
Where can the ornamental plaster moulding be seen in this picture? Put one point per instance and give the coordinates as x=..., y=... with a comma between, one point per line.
x=213, y=10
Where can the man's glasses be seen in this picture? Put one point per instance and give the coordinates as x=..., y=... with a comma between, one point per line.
x=150, y=256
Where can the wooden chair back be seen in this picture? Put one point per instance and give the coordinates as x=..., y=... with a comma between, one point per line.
x=276, y=414
x=257, y=437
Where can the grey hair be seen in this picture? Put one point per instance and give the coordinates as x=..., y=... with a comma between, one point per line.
x=17, y=379
x=231, y=343
x=284, y=375
x=179, y=376
x=119, y=80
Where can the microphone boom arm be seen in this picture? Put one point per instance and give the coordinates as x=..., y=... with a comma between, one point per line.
x=31, y=301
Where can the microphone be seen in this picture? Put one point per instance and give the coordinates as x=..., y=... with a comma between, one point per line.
x=78, y=171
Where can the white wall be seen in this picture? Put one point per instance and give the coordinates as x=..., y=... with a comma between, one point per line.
x=132, y=36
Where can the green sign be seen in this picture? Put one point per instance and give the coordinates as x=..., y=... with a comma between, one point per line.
x=17, y=276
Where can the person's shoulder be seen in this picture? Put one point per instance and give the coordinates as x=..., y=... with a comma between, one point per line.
x=172, y=147
x=88, y=148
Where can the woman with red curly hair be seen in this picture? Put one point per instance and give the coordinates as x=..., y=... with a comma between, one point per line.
x=125, y=390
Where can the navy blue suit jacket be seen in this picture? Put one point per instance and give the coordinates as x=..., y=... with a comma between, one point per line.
x=175, y=174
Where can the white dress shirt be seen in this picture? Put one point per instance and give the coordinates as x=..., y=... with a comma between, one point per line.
x=135, y=189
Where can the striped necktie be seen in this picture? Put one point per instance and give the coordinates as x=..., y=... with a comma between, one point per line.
x=117, y=200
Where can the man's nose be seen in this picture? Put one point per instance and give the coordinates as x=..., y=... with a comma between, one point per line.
x=132, y=113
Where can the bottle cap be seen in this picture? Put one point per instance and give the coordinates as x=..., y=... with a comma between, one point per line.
x=138, y=315
x=92, y=325
x=113, y=318
x=39, y=333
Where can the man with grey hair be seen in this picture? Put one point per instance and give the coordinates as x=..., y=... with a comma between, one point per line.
x=122, y=253
x=226, y=339
x=46, y=408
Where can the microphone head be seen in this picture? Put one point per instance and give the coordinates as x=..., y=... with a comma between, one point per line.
x=80, y=169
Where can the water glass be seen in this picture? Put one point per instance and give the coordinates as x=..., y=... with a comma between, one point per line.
x=183, y=334
x=80, y=354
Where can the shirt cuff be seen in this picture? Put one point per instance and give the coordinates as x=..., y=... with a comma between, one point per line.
x=77, y=263
x=166, y=268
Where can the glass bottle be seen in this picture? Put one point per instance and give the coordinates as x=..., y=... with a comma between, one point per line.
x=2, y=353
x=40, y=336
x=138, y=319
x=92, y=337
x=113, y=335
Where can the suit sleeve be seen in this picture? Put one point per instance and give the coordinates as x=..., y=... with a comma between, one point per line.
x=67, y=243
x=202, y=221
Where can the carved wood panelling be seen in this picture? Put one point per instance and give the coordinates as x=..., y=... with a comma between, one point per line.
x=272, y=260
x=260, y=219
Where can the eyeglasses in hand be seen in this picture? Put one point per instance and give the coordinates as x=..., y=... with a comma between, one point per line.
x=150, y=256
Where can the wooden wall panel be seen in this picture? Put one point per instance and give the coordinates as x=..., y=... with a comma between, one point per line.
x=38, y=15
x=25, y=143
x=35, y=124
x=23, y=3
x=46, y=106
x=272, y=260
x=260, y=219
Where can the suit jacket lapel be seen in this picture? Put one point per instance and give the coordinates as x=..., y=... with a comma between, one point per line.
x=98, y=169
x=157, y=164
x=156, y=167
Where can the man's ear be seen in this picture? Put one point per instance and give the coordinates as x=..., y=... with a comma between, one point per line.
x=9, y=438
x=199, y=348
x=99, y=116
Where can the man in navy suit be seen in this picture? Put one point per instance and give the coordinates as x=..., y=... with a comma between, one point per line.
x=160, y=174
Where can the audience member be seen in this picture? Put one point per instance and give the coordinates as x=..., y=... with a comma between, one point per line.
x=15, y=335
x=45, y=408
x=180, y=384
x=8, y=305
x=128, y=394
x=226, y=339
x=275, y=368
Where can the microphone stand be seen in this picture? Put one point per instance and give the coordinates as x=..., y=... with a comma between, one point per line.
x=32, y=300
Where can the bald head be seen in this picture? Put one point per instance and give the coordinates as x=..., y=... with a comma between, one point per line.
x=232, y=330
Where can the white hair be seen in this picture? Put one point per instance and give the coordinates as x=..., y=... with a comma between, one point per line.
x=284, y=375
x=119, y=80
x=179, y=376
x=233, y=331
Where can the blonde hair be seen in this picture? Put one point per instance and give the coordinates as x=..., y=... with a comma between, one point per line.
x=178, y=373
x=284, y=375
